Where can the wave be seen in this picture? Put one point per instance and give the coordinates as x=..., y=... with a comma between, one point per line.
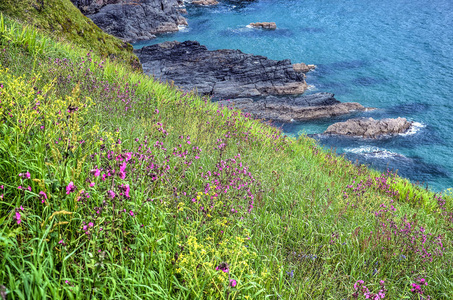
x=415, y=127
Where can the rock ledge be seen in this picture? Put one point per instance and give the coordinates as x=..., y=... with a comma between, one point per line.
x=369, y=127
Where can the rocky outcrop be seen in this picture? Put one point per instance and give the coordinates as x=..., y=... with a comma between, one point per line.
x=290, y=109
x=221, y=74
x=369, y=127
x=303, y=68
x=205, y=2
x=264, y=25
x=133, y=20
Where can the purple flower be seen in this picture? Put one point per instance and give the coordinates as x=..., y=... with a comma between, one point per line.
x=131, y=213
x=233, y=282
x=111, y=194
x=92, y=184
x=70, y=188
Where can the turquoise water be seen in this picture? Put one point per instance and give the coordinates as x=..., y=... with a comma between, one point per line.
x=394, y=55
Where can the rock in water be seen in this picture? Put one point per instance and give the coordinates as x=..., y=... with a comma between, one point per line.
x=133, y=20
x=369, y=127
x=301, y=67
x=220, y=74
x=289, y=109
x=264, y=25
x=205, y=2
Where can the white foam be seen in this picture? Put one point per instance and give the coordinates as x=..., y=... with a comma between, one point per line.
x=183, y=28
x=415, y=127
x=373, y=152
x=312, y=88
x=249, y=26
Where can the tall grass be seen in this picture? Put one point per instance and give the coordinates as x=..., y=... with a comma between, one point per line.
x=114, y=185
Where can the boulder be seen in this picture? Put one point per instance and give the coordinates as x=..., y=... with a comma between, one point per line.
x=133, y=20
x=220, y=74
x=369, y=127
x=264, y=25
x=205, y=2
x=303, y=68
x=291, y=109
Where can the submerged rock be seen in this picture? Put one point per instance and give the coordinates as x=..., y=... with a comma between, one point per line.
x=264, y=25
x=369, y=127
x=220, y=74
x=133, y=20
x=289, y=109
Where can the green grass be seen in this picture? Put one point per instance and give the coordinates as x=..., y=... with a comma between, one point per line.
x=197, y=189
x=61, y=20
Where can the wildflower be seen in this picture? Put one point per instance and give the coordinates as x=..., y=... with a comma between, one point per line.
x=233, y=282
x=222, y=267
x=43, y=196
x=92, y=184
x=70, y=188
x=111, y=194
x=90, y=224
x=18, y=218
x=131, y=213
x=96, y=172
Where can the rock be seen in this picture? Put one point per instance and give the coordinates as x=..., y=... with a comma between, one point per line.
x=182, y=11
x=301, y=67
x=220, y=74
x=205, y=2
x=133, y=20
x=289, y=109
x=264, y=25
x=369, y=127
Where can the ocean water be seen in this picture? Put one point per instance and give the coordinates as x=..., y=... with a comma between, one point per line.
x=394, y=55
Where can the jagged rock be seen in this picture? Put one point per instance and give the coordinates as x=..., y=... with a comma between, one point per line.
x=289, y=109
x=205, y=2
x=220, y=74
x=264, y=25
x=133, y=20
x=301, y=67
x=369, y=127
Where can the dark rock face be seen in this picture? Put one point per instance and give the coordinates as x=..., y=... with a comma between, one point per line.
x=133, y=20
x=220, y=74
x=289, y=109
x=370, y=128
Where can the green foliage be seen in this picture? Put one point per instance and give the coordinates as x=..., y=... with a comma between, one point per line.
x=61, y=20
x=114, y=186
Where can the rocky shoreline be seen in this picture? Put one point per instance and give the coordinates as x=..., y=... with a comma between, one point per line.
x=265, y=88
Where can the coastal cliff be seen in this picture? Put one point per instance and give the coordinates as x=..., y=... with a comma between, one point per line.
x=133, y=20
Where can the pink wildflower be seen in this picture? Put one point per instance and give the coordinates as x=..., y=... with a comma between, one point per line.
x=18, y=220
x=233, y=282
x=70, y=188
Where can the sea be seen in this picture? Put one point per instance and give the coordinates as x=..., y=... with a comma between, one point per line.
x=392, y=55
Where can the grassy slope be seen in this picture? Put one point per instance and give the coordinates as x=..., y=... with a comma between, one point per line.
x=318, y=223
x=68, y=24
